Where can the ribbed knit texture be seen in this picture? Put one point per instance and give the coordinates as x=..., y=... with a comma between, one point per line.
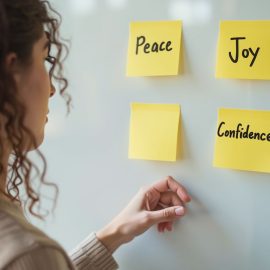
x=92, y=252
x=25, y=247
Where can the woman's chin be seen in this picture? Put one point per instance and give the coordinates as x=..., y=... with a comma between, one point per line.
x=40, y=140
x=36, y=144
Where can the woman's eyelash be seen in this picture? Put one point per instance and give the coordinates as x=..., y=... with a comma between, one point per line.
x=50, y=59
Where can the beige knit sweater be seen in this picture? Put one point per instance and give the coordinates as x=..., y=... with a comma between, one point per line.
x=25, y=247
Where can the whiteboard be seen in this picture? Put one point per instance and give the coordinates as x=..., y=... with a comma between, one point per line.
x=228, y=221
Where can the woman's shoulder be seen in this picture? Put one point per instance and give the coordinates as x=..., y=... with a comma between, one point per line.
x=19, y=237
x=17, y=229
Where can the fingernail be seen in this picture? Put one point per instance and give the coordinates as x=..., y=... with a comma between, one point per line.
x=179, y=211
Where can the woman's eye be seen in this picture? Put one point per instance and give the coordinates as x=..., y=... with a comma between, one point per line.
x=50, y=59
x=49, y=62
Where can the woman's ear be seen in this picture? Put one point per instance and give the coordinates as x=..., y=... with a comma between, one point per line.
x=12, y=66
x=11, y=61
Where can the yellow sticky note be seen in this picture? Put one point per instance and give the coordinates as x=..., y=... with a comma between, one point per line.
x=154, y=131
x=243, y=140
x=154, y=48
x=244, y=50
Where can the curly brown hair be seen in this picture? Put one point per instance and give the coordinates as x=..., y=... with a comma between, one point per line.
x=22, y=23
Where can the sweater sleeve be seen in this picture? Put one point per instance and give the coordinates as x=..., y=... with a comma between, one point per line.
x=91, y=254
x=41, y=258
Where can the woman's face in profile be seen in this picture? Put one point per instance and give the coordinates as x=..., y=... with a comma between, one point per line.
x=34, y=89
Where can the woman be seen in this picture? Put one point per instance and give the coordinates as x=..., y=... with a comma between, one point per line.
x=28, y=32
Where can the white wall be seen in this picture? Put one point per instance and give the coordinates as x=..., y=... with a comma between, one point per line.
x=228, y=221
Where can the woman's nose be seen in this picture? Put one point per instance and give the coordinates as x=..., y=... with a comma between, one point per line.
x=52, y=91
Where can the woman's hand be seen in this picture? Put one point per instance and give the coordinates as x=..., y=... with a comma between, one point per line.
x=161, y=203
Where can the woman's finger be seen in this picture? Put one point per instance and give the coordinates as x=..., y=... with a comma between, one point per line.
x=168, y=214
x=169, y=198
x=171, y=184
x=166, y=225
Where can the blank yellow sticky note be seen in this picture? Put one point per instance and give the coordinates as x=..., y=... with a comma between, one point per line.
x=154, y=131
x=243, y=140
x=244, y=50
x=154, y=48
